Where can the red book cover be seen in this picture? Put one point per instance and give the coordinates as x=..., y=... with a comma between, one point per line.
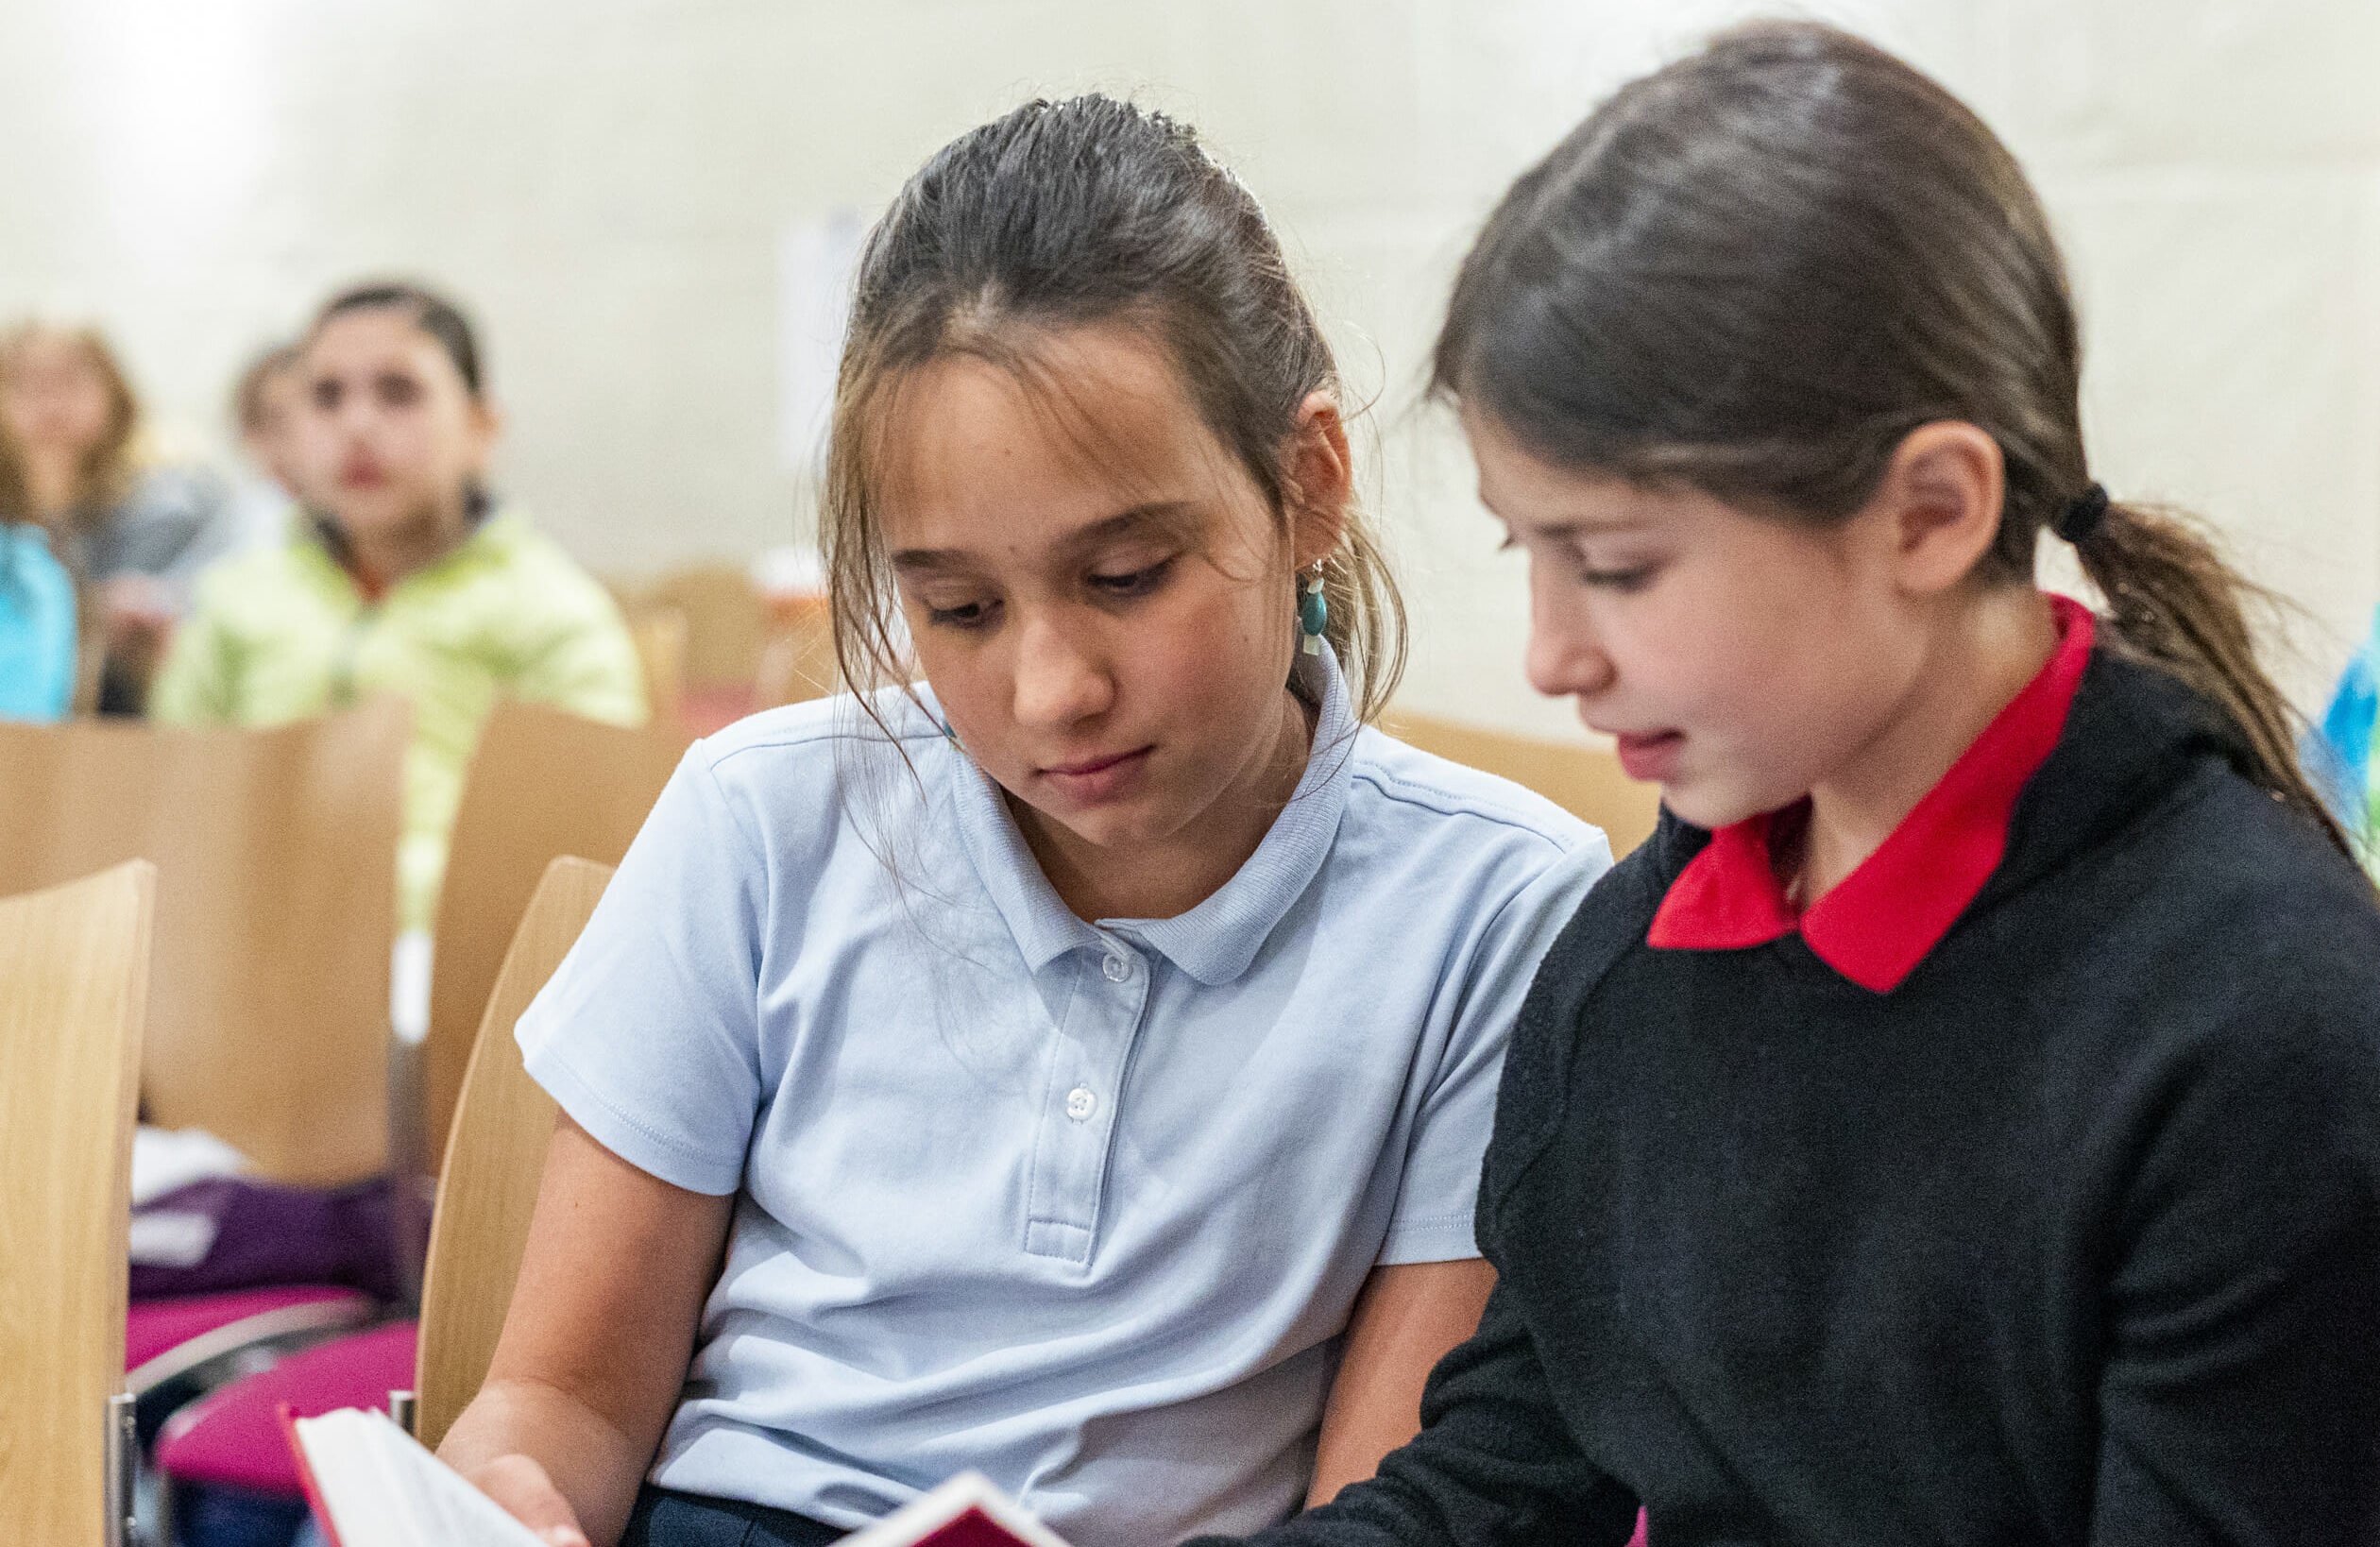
x=966, y=1511
x=305, y=1473
x=972, y=1528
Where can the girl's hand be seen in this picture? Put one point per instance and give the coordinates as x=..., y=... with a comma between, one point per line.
x=528, y=1495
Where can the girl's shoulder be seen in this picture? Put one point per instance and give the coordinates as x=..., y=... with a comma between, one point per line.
x=1399, y=785
x=809, y=755
x=516, y=556
x=264, y=585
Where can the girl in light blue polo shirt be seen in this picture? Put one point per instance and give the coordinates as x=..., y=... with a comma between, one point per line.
x=1074, y=1067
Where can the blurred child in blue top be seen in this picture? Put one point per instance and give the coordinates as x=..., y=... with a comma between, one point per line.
x=1083, y=1057
x=131, y=529
x=37, y=627
x=2339, y=754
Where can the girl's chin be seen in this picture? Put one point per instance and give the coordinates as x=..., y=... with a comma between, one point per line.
x=378, y=518
x=1699, y=802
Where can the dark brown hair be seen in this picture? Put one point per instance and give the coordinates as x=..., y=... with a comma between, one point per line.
x=441, y=319
x=107, y=470
x=1755, y=271
x=1067, y=215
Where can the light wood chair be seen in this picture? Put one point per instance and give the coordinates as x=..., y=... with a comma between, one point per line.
x=276, y=853
x=724, y=622
x=543, y=783
x=493, y=1157
x=659, y=633
x=797, y=663
x=74, y=990
x=1587, y=782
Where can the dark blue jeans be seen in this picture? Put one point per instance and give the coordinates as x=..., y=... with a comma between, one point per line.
x=665, y=1518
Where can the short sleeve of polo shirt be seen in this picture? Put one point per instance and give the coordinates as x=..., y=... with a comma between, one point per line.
x=1433, y=1213
x=670, y=961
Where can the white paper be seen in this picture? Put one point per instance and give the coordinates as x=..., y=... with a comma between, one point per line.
x=384, y=1489
x=166, y=1158
x=171, y=1238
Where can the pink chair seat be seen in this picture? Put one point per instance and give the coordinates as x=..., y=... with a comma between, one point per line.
x=162, y=1338
x=232, y=1438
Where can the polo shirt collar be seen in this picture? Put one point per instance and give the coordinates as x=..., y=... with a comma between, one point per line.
x=1216, y=940
x=1881, y=920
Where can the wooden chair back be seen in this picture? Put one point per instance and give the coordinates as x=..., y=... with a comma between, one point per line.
x=724, y=622
x=543, y=783
x=493, y=1157
x=797, y=664
x=660, y=637
x=74, y=985
x=1587, y=782
x=276, y=854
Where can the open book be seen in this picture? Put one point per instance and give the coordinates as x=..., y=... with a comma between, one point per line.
x=372, y=1484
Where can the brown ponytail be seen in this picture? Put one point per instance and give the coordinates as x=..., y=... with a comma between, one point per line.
x=2172, y=602
x=1755, y=271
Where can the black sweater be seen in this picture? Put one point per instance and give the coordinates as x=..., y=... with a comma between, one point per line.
x=2074, y=1237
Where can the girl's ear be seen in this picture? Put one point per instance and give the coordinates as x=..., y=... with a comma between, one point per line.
x=1320, y=479
x=1940, y=499
x=487, y=423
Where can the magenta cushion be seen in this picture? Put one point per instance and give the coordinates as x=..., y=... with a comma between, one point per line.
x=232, y=1438
x=154, y=1326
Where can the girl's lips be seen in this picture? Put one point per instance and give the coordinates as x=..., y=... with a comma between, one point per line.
x=1099, y=779
x=1649, y=756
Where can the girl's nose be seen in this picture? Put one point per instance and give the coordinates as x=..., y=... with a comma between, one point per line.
x=1059, y=680
x=1565, y=659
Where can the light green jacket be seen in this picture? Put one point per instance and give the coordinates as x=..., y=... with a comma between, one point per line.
x=285, y=632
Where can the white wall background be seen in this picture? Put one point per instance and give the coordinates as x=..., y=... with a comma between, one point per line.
x=605, y=181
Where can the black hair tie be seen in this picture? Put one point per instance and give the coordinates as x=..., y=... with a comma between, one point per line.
x=2082, y=516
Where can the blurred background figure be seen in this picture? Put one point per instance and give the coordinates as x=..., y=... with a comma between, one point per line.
x=132, y=530
x=265, y=404
x=37, y=627
x=407, y=577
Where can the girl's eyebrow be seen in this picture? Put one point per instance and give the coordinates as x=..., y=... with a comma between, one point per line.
x=1578, y=526
x=1167, y=515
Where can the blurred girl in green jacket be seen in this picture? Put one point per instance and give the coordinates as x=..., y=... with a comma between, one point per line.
x=407, y=580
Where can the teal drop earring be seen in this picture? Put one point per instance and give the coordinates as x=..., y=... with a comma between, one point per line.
x=1314, y=611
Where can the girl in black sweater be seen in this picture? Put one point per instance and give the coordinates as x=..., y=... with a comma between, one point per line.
x=1961, y=1122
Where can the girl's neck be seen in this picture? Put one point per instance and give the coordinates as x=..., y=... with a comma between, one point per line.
x=390, y=556
x=53, y=481
x=1168, y=878
x=1980, y=661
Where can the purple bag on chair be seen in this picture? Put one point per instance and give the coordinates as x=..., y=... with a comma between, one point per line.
x=229, y=1232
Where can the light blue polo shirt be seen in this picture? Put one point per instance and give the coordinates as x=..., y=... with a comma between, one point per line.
x=1082, y=1207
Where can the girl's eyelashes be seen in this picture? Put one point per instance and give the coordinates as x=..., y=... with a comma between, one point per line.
x=1132, y=582
x=1631, y=579
x=965, y=615
x=398, y=391
x=1622, y=578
